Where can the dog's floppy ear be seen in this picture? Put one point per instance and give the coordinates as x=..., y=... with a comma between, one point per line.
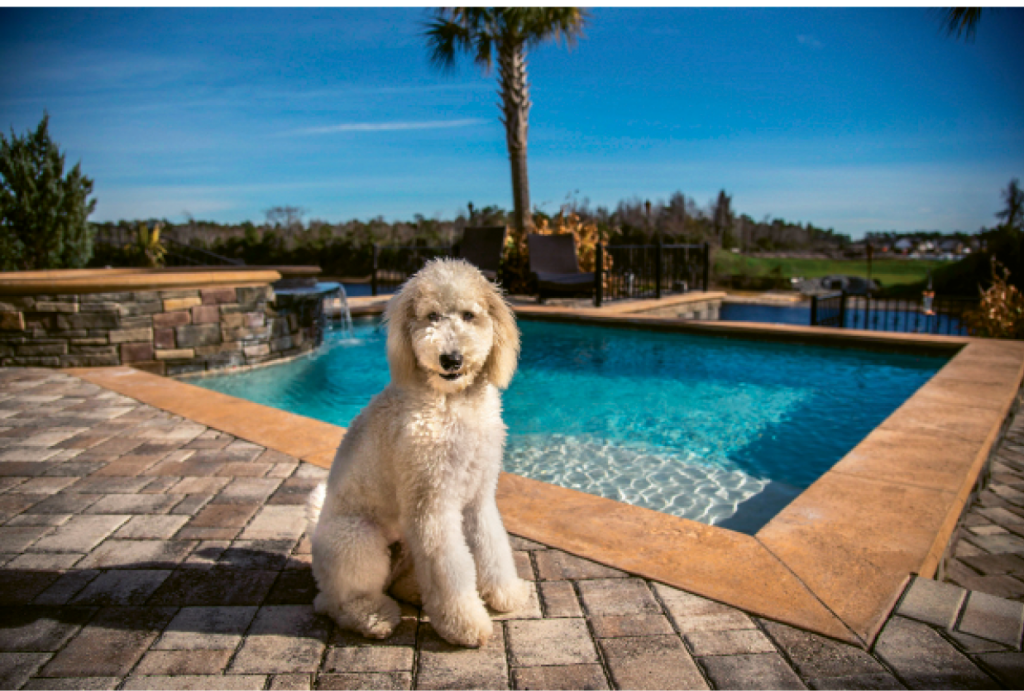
x=504, y=357
x=399, y=312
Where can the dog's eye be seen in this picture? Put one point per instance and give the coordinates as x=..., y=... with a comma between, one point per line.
x=434, y=317
x=468, y=316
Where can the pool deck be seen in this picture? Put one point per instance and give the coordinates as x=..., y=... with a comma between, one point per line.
x=143, y=550
x=143, y=517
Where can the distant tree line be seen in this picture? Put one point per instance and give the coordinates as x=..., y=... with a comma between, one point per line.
x=344, y=249
x=681, y=220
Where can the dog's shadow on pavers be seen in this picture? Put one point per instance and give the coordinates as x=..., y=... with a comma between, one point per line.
x=236, y=576
x=222, y=601
x=218, y=586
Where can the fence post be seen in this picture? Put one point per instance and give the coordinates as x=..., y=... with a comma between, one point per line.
x=842, y=309
x=598, y=274
x=707, y=264
x=373, y=276
x=814, y=310
x=658, y=256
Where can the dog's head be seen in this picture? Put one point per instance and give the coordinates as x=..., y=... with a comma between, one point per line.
x=449, y=325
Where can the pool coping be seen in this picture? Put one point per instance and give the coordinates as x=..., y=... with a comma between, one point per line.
x=834, y=561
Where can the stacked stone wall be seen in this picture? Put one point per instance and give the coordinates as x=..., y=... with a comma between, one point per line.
x=164, y=331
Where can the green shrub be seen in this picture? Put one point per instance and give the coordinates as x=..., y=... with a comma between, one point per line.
x=43, y=212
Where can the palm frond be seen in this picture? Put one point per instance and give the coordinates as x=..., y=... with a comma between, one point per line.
x=455, y=30
x=962, y=21
x=445, y=40
x=560, y=24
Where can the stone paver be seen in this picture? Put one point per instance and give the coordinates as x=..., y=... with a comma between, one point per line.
x=740, y=641
x=826, y=663
x=932, y=602
x=559, y=599
x=560, y=677
x=110, y=644
x=994, y=618
x=651, y=662
x=755, y=671
x=988, y=554
x=142, y=551
x=549, y=642
x=923, y=659
x=283, y=639
x=79, y=534
x=206, y=628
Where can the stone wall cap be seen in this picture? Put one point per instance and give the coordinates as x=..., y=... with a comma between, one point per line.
x=123, y=280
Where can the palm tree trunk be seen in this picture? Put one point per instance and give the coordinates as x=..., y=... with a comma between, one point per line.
x=515, y=108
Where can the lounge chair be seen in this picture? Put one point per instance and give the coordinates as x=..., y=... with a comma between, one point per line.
x=482, y=247
x=553, y=260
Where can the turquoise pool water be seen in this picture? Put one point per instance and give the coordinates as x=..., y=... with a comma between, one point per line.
x=722, y=431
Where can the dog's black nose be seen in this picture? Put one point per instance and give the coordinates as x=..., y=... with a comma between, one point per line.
x=451, y=361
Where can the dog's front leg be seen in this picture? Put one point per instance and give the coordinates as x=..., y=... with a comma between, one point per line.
x=447, y=578
x=500, y=585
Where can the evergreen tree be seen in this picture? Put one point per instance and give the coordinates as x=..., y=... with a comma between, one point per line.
x=43, y=212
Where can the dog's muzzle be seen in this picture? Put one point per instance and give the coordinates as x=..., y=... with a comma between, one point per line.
x=451, y=363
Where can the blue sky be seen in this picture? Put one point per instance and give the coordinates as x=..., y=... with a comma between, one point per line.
x=852, y=118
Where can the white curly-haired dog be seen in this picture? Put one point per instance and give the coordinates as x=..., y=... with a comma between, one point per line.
x=409, y=505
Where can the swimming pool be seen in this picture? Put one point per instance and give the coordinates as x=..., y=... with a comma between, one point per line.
x=879, y=318
x=722, y=431
x=769, y=314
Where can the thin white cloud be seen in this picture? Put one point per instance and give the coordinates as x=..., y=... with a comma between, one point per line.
x=390, y=126
x=809, y=41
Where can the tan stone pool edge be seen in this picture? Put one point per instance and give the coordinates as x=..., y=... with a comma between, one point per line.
x=834, y=561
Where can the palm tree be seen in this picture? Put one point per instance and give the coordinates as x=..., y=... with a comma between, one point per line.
x=507, y=32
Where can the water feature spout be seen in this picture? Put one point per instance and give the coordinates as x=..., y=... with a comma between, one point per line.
x=341, y=315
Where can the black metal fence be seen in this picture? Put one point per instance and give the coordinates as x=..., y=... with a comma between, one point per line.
x=392, y=266
x=181, y=254
x=829, y=309
x=939, y=315
x=650, y=271
x=121, y=244
x=635, y=271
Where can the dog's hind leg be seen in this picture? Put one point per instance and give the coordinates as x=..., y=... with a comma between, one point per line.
x=351, y=564
x=403, y=584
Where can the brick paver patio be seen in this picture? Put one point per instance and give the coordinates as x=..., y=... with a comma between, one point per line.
x=139, y=550
x=989, y=552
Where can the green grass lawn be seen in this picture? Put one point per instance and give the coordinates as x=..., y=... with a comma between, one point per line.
x=888, y=272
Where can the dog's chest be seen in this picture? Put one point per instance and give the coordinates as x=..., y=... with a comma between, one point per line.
x=457, y=433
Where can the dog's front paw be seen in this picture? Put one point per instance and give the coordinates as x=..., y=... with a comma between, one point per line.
x=373, y=618
x=463, y=622
x=507, y=597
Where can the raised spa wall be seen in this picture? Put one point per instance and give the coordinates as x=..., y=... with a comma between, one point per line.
x=701, y=306
x=169, y=322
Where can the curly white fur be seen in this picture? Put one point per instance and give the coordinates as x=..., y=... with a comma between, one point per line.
x=409, y=504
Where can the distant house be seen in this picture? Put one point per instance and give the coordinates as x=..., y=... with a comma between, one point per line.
x=905, y=245
x=953, y=246
x=857, y=249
